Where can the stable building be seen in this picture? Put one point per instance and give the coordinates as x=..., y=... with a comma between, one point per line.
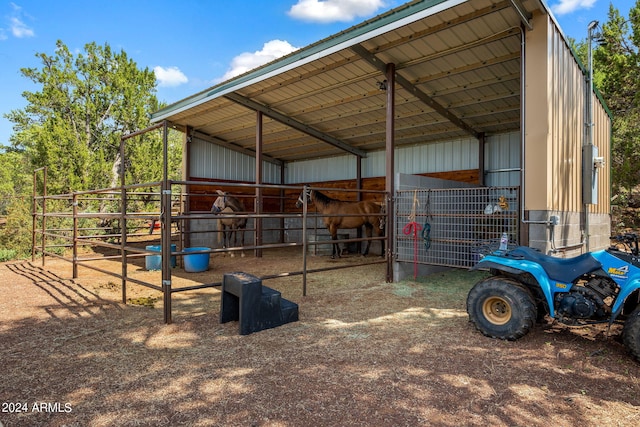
x=468, y=114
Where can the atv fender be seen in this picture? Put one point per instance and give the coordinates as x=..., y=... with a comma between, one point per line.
x=489, y=265
x=519, y=266
x=631, y=286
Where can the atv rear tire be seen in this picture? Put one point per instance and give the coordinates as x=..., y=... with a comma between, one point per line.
x=501, y=308
x=631, y=333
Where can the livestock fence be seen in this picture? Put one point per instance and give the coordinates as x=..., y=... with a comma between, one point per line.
x=120, y=223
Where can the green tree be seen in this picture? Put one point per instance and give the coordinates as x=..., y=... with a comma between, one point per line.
x=86, y=102
x=616, y=66
x=72, y=125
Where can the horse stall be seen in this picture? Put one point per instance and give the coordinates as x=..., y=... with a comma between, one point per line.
x=280, y=220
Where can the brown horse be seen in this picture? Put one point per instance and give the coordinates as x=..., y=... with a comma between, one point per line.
x=341, y=214
x=226, y=205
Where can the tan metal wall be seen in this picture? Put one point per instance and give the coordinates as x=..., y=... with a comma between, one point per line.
x=555, y=120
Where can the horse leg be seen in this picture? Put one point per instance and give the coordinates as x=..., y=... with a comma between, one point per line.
x=227, y=238
x=334, y=236
x=369, y=230
x=235, y=236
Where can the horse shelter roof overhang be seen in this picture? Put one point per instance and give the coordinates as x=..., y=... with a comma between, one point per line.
x=457, y=68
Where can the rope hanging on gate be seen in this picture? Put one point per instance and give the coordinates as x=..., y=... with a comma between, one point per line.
x=413, y=227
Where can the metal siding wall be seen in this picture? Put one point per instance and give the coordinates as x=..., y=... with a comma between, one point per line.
x=567, y=126
x=333, y=168
x=446, y=156
x=216, y=162
x=567, y=131
x=503, y=152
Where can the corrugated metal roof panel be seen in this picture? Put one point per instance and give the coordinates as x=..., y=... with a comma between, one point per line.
x=464, y=55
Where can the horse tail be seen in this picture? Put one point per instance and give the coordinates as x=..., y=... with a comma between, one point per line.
x=383, y=218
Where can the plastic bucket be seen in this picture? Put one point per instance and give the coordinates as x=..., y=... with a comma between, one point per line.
x=154, y=262
x=195, y=263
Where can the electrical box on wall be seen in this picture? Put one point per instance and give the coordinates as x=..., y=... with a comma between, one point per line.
x=590, y=165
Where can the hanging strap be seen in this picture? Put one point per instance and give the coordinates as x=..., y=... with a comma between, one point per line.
x=413, y=228
x=426, y=229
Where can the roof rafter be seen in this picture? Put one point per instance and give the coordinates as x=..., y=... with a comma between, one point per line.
x=235, y=97
x=407, y=85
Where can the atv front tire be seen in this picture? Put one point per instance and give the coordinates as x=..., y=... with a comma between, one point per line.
x=501, y=308
x=631, y=333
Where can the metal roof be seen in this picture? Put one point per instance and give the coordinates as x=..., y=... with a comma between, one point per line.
x=458, y=73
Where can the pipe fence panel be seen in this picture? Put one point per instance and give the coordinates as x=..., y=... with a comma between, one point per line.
x=453, y=227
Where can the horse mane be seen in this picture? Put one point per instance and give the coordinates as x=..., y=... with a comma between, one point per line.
x=235, y=204
x=323, y=199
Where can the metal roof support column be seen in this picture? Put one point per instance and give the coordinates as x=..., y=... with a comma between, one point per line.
x=390, y=172
x=359, y=176
x=481, y=142
x=258, y=205
x=359, y=195
x=282, y=221
x=185, y=205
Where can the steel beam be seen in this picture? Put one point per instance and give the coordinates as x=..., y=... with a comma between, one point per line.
x=267, y=111
x=407, y=85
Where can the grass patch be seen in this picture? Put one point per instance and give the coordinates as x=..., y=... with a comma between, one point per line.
x=7, y=254
x=144, y=301
x=451, y=285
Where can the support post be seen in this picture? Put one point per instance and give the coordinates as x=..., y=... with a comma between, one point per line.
x=258, y=204
x=390, y=167
x=481, y=142
x=185, y=205
x=305, y=210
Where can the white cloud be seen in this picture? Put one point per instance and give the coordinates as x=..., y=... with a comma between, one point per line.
x=19, y=29
x=171, y=76
x=246, y=61
x=568, y=6
x=17, y=26
x=325, y=11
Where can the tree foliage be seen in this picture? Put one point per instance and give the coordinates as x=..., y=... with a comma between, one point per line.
x=73, y=123
x=616, y=67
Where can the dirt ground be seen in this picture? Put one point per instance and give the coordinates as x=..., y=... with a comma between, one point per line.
x=364, y=353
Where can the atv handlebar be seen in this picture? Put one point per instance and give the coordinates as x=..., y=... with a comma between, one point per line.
x=629, y=240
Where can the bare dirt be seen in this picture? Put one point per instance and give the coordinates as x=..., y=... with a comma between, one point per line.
x=364, y=353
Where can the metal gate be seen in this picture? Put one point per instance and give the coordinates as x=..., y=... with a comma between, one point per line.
x=453, y=227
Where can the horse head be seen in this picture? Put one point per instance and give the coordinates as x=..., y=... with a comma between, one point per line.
x=304, y=195
x=220, y=203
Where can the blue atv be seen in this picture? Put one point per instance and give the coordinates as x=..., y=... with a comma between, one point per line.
x=526, y=285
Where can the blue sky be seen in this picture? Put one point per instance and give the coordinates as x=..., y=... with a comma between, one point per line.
x=194, y=44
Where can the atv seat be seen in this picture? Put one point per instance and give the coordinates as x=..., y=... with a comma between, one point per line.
x=561, y=269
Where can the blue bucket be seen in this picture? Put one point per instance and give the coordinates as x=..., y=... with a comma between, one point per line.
x=195, y=263
x=154, y=262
